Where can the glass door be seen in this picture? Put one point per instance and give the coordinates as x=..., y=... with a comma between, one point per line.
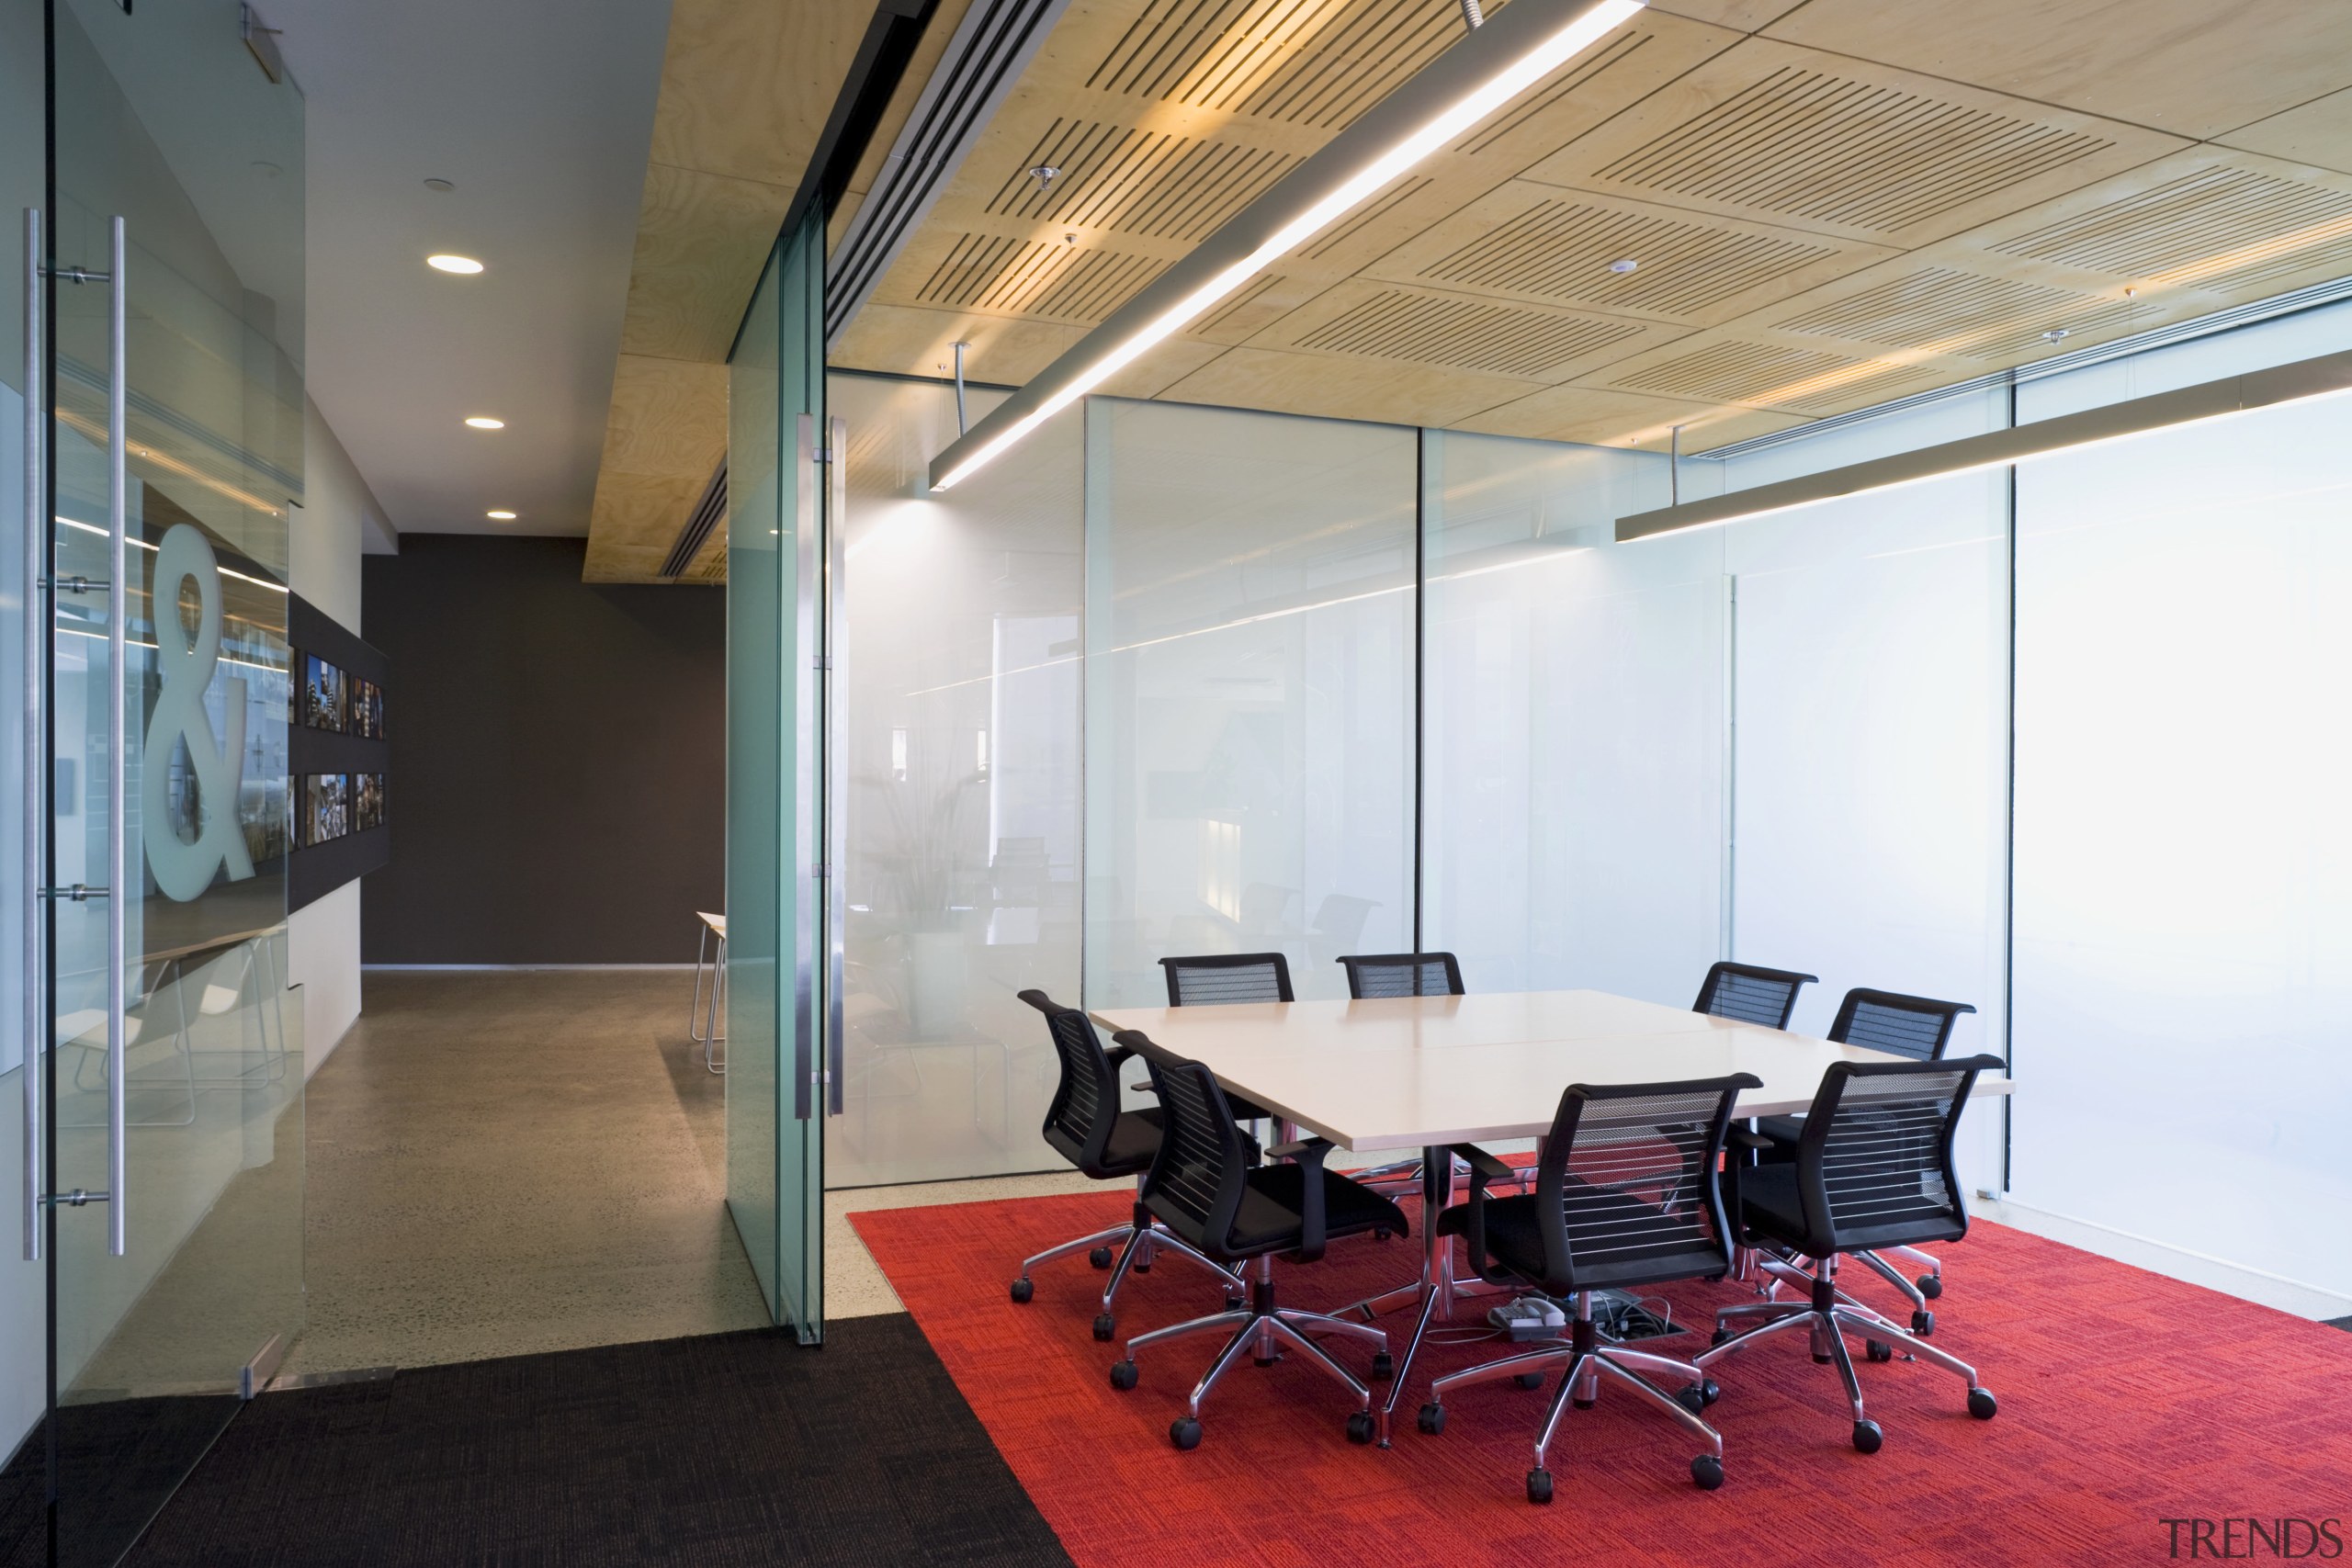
x=165, y=454
x=783, y=956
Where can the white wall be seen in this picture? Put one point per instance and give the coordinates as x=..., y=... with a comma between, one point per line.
x=339, y=519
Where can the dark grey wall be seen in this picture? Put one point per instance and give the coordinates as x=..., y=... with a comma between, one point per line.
x=561, y=793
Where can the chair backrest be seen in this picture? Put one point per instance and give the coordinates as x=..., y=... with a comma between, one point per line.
x=1625, y=1191
x=1916, y=1027
x=1750, y=994
x=1195, y=1182
x=1086, y=1103
x=1403, y=975
x=1227, y=977
x=1874, y=1166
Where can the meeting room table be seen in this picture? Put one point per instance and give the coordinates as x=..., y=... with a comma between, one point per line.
x=1399, y=1073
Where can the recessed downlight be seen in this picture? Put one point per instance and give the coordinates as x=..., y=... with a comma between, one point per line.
x=463, y=266
x=500, y=516
x=484, y=422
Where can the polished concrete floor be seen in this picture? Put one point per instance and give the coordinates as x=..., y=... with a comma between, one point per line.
x=507, y=1162
x=513, y=1161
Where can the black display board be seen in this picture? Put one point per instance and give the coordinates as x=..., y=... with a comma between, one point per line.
x=316, y=869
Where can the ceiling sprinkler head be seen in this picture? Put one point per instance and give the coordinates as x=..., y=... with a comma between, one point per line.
x=1044, y=174
x=2054, y=333
x=1623, y=265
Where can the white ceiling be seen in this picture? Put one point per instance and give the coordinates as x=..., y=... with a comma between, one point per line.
x=541, y=113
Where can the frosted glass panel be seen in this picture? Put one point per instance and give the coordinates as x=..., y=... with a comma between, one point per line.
x=1250, y=692
x=2184, y=929
x=961, y=676
x=1574, y=751
x=1871, y=686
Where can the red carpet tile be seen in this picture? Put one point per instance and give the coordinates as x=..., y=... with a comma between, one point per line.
x=2126, y=1399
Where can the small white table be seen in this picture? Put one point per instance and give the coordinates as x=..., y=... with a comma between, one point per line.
x=1427, y=1072
x=706, y=1034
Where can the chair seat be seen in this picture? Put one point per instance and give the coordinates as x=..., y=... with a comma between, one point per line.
x=1135, y=1139
x=1267, y=1219
x=1769, y=1203
x=1515, y=1241
x=1782, y=1129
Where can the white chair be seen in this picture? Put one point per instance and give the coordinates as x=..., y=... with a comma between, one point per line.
x=161, y=1009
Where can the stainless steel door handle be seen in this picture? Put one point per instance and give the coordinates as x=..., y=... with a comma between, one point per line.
x=804, y=824
x=118, y=765
x=36, y=810
x=836, y=828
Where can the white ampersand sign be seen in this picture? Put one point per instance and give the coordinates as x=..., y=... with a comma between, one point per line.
x=184, y=866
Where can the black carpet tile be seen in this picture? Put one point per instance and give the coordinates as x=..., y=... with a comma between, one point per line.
x=2345, y=1323
x=718, y=1452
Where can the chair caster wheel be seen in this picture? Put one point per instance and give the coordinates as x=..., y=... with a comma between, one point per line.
x=1708, y=1471
x=1819, y=1359
x=1982, y=1405
x=1186, y=1433
x=1360, y=1428
x=1022, y=1290
x=1380, y=1235
x=1930, y=1285
x=1234, y=1304
x=1528, y=1380
x=1265, y=1361
x=1583, y=1404
x=1695, y=1398
x=1100, y=1257
x=1105, y=1325
x=1878, y=1349
x=1923, y=1324
x=1122, y=1375
x=1867, y=1437
x=1143, y=1266
x=1720, y=1336
x=1432, y=1419
x=1539, y=1485
x=1383, y=1366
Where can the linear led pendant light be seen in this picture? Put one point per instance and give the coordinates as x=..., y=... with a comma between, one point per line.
x=1517, y=47
x=2304, y=380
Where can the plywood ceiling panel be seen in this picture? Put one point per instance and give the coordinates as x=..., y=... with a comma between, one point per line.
x=1829, y=205
x=2319, y=133
x=2192, y=67
x=1841, y=146
x=745, y=93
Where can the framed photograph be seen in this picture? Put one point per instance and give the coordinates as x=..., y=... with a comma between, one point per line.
x=366, y=801
x=367, y=709
x=325, y=690
x=325, y=809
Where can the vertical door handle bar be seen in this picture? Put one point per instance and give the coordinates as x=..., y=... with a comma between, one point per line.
x=118, y=892
x=800, y=827
x=36, y=813
x=836, y=755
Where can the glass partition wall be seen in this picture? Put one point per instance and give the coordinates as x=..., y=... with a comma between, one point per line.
x=147, y=506
x=1177, y=679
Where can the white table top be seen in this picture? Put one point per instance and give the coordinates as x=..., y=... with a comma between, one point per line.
x=1406, y=1072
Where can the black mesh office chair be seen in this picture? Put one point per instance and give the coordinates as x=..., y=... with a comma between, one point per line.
x=1916, y=1027
x=1086, y=1126
x=1218, y=979
x=1873, y=1168
x=1625, y=1196
x=1402, y=975
x=1210, y=980
x=1204, y=1188
x=1382, y=975
x=1751, y=993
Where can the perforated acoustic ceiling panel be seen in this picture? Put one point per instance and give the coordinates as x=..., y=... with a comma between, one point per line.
x=1810, y=229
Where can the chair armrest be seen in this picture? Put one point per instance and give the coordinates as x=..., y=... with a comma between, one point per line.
x=1312, y=1220
x=1741, y=1138
x=1484, y=1167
